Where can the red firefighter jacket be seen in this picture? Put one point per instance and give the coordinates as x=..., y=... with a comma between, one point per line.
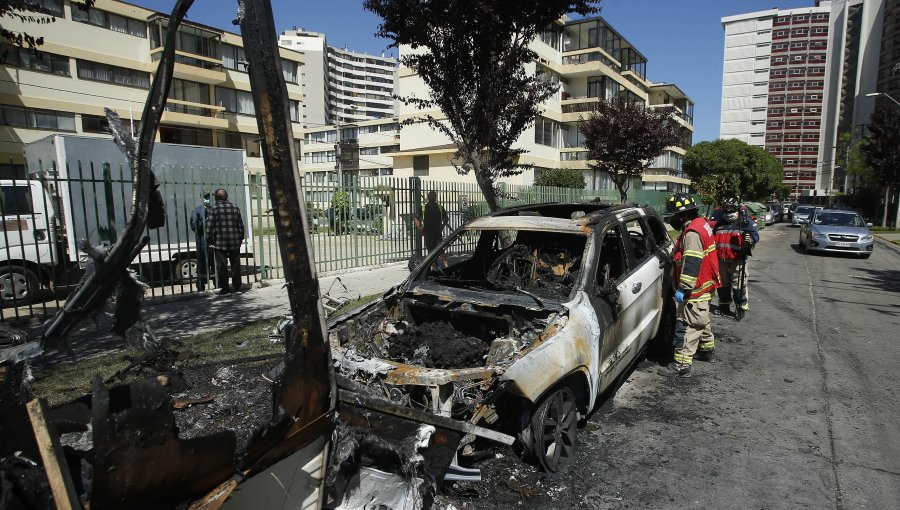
x=697, y=267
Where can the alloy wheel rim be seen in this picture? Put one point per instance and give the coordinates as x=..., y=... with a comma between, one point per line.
x=558, y=430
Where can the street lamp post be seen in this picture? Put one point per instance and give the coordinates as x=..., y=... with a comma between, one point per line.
x=876, y=94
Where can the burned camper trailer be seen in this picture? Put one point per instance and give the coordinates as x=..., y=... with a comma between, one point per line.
x=518, y=321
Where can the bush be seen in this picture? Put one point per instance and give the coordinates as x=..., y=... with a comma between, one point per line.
x=561, y=178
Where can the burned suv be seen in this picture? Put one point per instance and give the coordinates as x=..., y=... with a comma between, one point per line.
x=518, y=322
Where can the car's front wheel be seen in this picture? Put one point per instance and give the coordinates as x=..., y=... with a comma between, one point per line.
x=17, y=285
x=866, y=255
x=553, y=429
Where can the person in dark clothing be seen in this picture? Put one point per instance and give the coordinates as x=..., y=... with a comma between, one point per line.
x=225, y=234
x=198, y=221
x=431, y=222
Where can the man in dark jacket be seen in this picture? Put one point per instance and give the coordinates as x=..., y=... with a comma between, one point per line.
x=225, y=234
x=198, y=221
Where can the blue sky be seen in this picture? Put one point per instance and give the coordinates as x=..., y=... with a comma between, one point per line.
x=682, y=39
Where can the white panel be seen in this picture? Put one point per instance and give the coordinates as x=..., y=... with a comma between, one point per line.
x=748, y=39
x=761, y=64
x=736, y=103
x=742, y=115
x=759, y=89
x=738, y=78
x=741, y=52
x=757, y=102
x=744, y=64
x=736, y=90
x=764, y=24
x=734, y=128
x=739, y=27
x=758, y=115
x=763, y=51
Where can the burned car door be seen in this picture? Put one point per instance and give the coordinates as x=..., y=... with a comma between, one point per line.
x=615, y=304
x=648, y=267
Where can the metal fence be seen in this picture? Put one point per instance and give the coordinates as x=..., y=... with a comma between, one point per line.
x=368, y=222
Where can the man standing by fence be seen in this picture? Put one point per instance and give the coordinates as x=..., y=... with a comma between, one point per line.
x=198, y=222
x=431, y=222
x=225, y=233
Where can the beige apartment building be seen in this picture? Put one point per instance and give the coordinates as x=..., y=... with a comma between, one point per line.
x=106, y=57
x=590, y=61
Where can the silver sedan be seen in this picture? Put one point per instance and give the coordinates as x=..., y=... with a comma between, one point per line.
x=837, y=232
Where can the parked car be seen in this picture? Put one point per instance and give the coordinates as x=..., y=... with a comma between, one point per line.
x=757, y=213
x=786, y=211
x=777, y=214
x=518, y=322
x=838, y=231
x=791, y=210
x=801, y=214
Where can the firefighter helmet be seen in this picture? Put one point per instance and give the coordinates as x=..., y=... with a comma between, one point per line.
x=679, y=202
x=730, y=205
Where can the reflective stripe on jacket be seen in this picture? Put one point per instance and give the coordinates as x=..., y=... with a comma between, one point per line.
x=695, y=269
x=729, y=241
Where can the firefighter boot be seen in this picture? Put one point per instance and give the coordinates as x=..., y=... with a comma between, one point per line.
x=707, y=355
x=739, y=314
x=676, y=370
x=724, y=308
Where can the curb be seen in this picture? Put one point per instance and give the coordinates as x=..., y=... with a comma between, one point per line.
x=887, y=244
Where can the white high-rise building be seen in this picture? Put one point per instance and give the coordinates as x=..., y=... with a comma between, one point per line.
x=342, y=86
x=794, y=79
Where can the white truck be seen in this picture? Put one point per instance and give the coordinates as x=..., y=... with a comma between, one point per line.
x=80, y=188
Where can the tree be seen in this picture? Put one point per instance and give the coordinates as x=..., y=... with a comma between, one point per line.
x=561, y=178
x=623, y=137
x=30, y=11
x=472, y=55
x=881, y=150
x=732, y=168
x=850, y=157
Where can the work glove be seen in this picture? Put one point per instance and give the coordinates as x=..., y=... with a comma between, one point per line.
x=747, y=239
x=679, y=296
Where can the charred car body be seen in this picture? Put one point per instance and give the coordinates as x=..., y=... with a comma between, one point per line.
x=518, y=322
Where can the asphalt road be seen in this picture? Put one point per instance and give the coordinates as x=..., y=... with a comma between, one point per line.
x=802, y=411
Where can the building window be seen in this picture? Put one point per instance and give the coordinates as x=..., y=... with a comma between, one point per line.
x=389, y=148
x=235, y=101
x=780, y=33
x=368, y=151
x=112, y=74
x=184, y=136
x=368, y=129
x=51, y=7
x=820, y=16
x=233, y=58
x=35, y=60
x=35, y=118
x=420, y=165
x=782, y=19
x=190, y=91
x=110, y=21
x=545, y=132
x=98, y=124
x=294, y=110
x=320, y=157
x=289, y=71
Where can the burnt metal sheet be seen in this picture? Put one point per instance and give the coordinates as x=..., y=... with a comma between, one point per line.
x=536, y=223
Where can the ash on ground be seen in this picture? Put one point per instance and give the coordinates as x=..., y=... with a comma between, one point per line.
x=241, y=400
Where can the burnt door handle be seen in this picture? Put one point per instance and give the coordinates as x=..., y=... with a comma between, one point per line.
x=636, y=287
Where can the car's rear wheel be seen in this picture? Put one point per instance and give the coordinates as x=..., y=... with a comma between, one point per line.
x=554, y=427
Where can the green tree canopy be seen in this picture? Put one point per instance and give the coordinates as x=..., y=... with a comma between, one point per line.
x=724, y=169
x=881, y=146
x=561, y=178
x=472, y=55
x=623, y=137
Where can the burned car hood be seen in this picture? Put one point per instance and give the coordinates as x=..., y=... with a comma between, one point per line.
x=472, y=299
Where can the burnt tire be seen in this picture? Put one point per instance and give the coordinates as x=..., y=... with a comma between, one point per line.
x=18, y=285
x=553, y=430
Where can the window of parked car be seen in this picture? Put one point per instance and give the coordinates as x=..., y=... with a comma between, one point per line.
x=659, y=230
x=612, y=263
x=641, y=243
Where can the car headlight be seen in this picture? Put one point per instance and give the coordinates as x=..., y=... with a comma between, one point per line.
x=817, y=235
x=866, y=238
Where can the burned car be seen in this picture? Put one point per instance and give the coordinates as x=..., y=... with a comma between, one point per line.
x=518, y=322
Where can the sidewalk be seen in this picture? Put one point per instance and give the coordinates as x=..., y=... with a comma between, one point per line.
x=199, y=313
x=888, y=240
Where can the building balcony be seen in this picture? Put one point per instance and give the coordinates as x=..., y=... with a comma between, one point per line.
x=186, y=113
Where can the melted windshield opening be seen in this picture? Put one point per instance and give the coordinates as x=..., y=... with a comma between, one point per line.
x=543, y=264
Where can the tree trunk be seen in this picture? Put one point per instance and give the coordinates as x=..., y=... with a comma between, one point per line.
x=487, y=189
x=623, y=194
x=887, y=205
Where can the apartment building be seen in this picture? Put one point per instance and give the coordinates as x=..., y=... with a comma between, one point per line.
x=590, y=61
x=341, y=85
x=793, y=79
x=106, y=57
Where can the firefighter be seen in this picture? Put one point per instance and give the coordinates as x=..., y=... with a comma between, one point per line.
x=735, y=235
x=696, y=276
